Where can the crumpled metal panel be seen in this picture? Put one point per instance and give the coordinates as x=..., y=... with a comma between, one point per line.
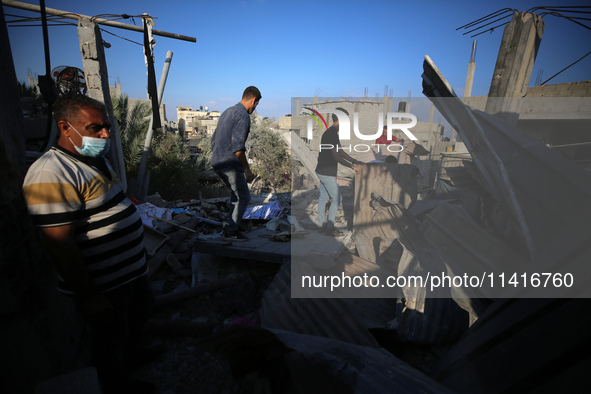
x=543, y=190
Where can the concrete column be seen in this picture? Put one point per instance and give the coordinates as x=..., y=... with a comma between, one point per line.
x=469, y=79
x=515, y=62
x=470, y=74
x=97, y=82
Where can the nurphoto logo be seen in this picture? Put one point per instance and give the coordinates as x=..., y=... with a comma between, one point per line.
x=345, y=128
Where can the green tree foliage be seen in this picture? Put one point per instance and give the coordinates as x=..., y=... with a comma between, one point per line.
x=133, y=125
x=204, y=159
x=173, y=173
x=269, y=152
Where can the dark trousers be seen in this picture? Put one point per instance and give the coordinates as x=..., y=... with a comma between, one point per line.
x=118, y=340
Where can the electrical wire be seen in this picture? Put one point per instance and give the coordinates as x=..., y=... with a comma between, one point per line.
x=556, y=11
x=59, y=21
x=114, y=17
x=123, y=38
x=49, y=24
x=571, y=19
x=567, y=67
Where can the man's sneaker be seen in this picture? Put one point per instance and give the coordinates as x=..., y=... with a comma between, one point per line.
x=235, y=237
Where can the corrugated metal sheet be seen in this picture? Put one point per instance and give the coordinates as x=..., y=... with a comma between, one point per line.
x=364, y=369
x=424, y=316
x=325, y=317
x=469, y=248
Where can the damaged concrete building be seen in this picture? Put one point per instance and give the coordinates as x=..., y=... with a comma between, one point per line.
x=511, y=205
x=366, y=115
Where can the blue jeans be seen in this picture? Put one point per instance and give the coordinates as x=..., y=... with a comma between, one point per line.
x=236, y=181
x=328, y=189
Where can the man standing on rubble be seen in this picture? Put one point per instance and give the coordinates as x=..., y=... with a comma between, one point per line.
x=95, y=236
x=228, y=157
x=326, y=170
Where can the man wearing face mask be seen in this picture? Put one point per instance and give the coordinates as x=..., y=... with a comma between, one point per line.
x=95, y=236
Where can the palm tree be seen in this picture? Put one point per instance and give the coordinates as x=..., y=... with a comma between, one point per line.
x=133, y=124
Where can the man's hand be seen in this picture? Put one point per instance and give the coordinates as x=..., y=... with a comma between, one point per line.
x=357, y=168
x=249, y=175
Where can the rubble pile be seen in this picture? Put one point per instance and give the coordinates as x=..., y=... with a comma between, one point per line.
x=187, y=308
x=231, y=323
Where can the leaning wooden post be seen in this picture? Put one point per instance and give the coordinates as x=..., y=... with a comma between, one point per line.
x=97, y=82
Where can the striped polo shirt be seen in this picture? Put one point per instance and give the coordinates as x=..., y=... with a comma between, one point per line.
x=62, y=189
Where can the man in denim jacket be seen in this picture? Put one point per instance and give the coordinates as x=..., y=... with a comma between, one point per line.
x=229, y=160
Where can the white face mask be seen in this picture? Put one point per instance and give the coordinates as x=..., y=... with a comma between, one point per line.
x=91, y=147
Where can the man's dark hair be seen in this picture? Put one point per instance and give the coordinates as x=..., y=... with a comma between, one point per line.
x=343, y=110
x=391, y=159
x=335, y=117
x=67, y=107
x=250, y=92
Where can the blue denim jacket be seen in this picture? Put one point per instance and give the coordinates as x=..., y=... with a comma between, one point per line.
x=230, y=137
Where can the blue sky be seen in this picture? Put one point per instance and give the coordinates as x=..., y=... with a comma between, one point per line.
x=298, y=48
